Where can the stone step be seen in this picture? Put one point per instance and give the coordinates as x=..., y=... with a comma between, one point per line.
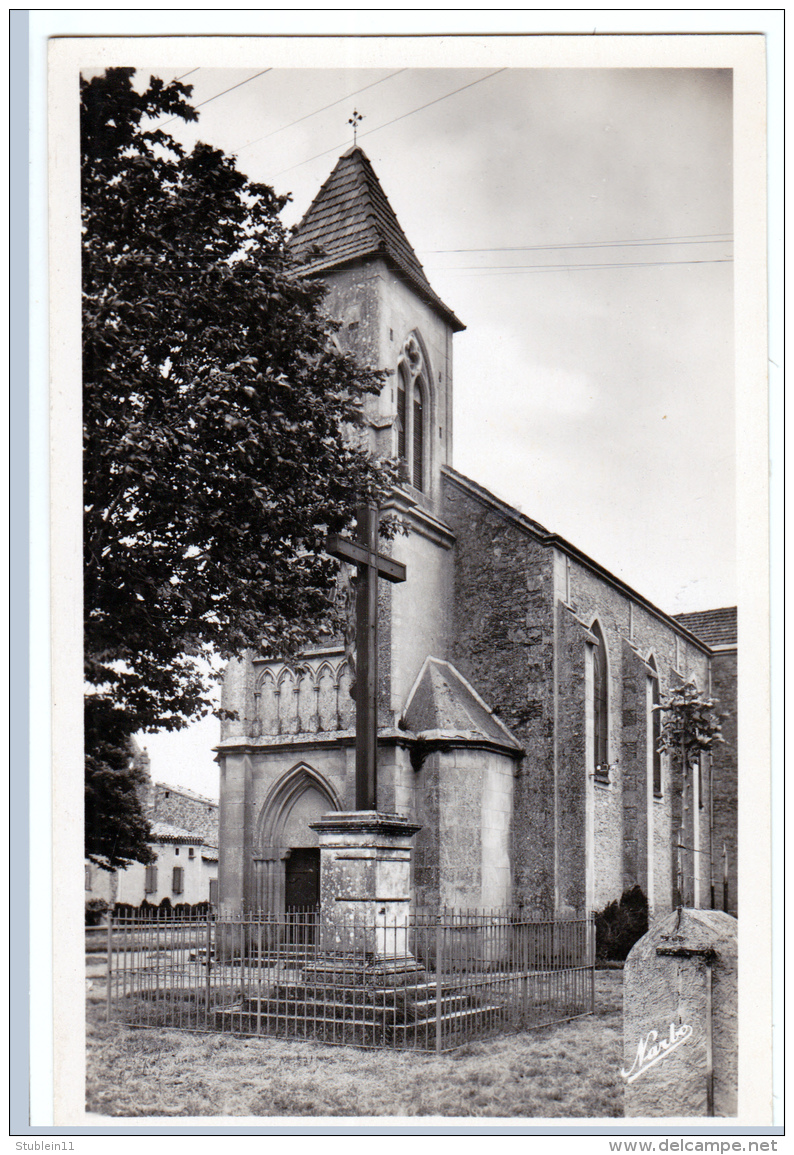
x=362, y=1025
x=401, y=999
x=452, y=1021
x=360, y=1029
x=426, y=1009
x=341, y=1012
x=303, y=1004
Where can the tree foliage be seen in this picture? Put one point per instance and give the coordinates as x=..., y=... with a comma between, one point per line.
x=620, y=924
x=218, y=413
x=117, y=832
x=690, y=724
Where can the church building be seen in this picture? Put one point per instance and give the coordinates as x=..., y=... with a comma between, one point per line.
x=517, y=676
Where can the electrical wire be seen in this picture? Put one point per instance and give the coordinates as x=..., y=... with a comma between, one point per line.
x=695, y=239
x=217, y=94
x=489, y=270
x=370, y=131
x=317, y=111
x=501, y=270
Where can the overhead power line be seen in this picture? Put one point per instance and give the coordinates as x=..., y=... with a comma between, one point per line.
x=218, y=94
x=317, y=111
x=703, y=239
x=370, y=131
x=501, y=270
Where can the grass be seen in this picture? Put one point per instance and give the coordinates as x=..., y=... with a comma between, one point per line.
x=566, y=1071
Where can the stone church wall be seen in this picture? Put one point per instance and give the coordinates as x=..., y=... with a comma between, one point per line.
x=630, y=634
x=504, y=644
x=725, y=774
x=634, y=769
x=414, y=617
x=462, y=852
x=502, y=641
x=608, y=833
x=426, y=866
x=573, y=816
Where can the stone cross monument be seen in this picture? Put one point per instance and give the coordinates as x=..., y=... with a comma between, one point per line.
x=365, y=855
x=371, y=565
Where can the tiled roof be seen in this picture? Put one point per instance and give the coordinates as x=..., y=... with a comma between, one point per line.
x=166, y=787
x=350, y=219
x=714, y=627
x=442, y=703
x=165, y=832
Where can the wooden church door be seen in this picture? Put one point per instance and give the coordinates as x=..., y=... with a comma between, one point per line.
x=302, y=881
x=302, y=894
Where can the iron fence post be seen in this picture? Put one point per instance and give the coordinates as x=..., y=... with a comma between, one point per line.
x=592, y=964
x=439, y=950
x=208, y=983
x=259, y=977
x=109, y=969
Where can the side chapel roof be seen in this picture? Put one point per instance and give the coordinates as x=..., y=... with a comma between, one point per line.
x=350, y=219
x=442, y=704
x=715, y=627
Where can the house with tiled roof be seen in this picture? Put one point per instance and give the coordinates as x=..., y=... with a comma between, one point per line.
x=517, y=676
x=184, y=875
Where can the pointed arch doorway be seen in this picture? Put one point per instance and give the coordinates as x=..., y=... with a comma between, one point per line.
x=287, y=858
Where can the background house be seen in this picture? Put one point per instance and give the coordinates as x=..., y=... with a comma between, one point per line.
x=185, y=840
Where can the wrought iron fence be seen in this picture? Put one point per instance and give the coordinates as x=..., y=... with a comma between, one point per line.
x=431, y=983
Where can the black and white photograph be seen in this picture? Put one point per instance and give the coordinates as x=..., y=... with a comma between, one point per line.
x=409, y=483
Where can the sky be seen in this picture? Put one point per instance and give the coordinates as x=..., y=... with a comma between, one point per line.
x=579, y=222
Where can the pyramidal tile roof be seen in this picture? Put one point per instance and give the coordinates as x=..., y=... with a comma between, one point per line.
x=714, y=627
x=350, y=219
x=443, y=704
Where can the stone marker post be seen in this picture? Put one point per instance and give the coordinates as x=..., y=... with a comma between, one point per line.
x=680, y=1018
x=365, y=897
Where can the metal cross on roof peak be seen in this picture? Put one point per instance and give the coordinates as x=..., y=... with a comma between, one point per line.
x=355, y=119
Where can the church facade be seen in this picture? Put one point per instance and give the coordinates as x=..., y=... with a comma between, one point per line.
x=517, y=677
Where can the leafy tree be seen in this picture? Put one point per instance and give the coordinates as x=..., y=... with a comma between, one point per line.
x=220, y=424
x=690, y=727
x=690, y=724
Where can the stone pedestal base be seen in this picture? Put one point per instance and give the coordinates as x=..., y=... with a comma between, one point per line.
x=365, y=874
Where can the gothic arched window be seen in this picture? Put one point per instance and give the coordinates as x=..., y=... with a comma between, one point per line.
x=418, y=436
x=600, y=707
x=402, y=417
x=656, y=732
x=413, y=412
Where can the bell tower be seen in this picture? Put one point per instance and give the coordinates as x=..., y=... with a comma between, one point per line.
x=390, y=317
